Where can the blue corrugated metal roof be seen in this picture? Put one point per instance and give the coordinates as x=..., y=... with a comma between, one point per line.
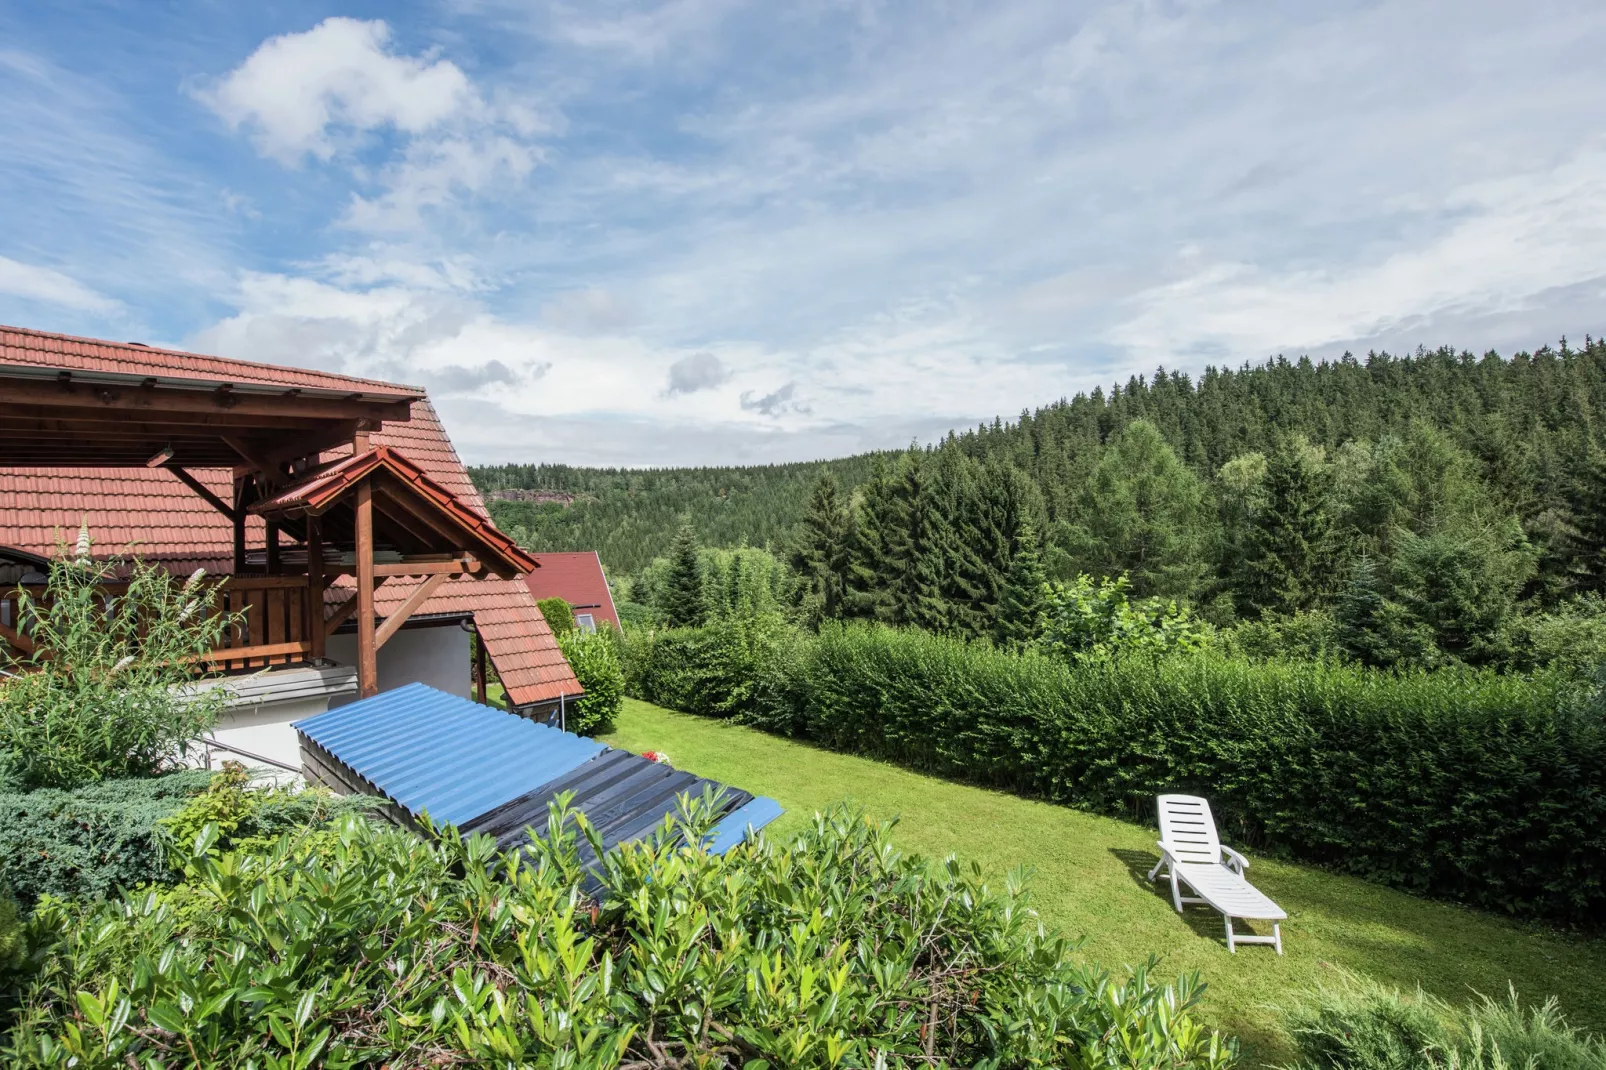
x=435, y=752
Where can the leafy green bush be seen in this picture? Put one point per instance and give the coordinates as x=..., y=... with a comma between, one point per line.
x=1361, y=1025
x=594, y=657
x=98, y=701
x=831, y=950
x=1093, y=620
x=249, y=818
x=558, y=613
x=1466, y=785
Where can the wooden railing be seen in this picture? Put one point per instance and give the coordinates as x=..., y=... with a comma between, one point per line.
x=274, y=620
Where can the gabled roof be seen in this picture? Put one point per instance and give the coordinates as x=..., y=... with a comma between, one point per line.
x=149, y=512
x=578, y=579
x=91, y=360
x=412, y=512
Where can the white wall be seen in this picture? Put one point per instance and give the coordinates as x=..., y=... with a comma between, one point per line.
x=438, y=656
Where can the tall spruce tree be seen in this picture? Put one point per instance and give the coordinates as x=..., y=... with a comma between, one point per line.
x=1287, y=563
x=683, y=602
x=822, y=549
x=1020, y=611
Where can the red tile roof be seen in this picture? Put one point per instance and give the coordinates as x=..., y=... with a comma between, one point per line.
x=150, y=512
x=318, y=492
x=55, y=353
x=578, y=579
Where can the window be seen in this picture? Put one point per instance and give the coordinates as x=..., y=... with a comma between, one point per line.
x=585, y=622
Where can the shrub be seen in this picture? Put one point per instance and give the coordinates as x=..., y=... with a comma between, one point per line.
x=831, y=950
x=594, y=657
x=558, y=613
x=99, y=701
x=87, y=843
x=1361, y=1025
x=1466, y=785
x=1093, y=620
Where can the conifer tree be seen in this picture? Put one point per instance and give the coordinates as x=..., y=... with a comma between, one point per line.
x=1020, y=611
x=822, y=549
x=1287, y=561
x=683, y=603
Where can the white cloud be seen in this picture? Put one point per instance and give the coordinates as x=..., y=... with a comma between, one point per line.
x=34, y=283
x=298, y=91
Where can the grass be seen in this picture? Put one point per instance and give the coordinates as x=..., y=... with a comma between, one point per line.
x=1090, y=880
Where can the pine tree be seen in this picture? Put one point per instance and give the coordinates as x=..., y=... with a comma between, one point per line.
x=914, y=552
x=1584, y=540
x=822, y=548
x=683, y=603
x=1287, y=561
x=1020, y=611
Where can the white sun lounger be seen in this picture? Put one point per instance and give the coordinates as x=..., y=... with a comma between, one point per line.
x=1191, y=850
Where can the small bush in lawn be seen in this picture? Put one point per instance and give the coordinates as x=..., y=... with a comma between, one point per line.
x=594, y=657
x=1358, y=1024
x=97, y=699
x=830, y=950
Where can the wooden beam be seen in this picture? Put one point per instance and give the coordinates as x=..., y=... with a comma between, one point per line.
x=367, y=650
x=242, y=497
x=201, y=489
x=401, y=613
x=269, y=471
x=245, y=653
x=275, y=563
x=480, y=690
x=26, y=390
x=347, y=608
x=464, y=564
x=315, y=586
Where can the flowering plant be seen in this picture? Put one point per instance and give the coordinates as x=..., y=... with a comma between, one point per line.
x=656, y=756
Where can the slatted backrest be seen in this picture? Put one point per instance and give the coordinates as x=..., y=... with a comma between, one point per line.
x=1186, y=824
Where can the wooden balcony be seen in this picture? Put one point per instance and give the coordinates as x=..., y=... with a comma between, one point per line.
x=277, y=620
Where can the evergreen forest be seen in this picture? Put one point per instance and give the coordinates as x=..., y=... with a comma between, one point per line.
x=1427, y=510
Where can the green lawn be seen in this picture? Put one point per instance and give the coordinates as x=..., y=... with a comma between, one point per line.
x=1089, y=880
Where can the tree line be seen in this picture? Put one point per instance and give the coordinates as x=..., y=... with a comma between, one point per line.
x=1437, y=508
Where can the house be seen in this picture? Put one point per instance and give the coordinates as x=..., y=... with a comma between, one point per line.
x=578, y=579
x=255, y=472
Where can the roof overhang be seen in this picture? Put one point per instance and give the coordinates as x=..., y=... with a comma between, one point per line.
x=56, y=417
x=413, y=515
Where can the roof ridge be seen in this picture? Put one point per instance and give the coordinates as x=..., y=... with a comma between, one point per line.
x=142, y=349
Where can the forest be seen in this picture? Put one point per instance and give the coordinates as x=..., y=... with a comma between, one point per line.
x=1432, y=509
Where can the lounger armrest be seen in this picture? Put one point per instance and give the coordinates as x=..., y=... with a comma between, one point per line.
x=1167, y=850
x=1234, y=859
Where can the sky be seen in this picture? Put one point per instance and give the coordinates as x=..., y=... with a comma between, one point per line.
x=714, y=232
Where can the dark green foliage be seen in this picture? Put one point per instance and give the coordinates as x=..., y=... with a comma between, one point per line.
x=1287, y=561
x=1024, y=600
x=1143, y=515
x=630, y=516
x=1486, y=789
x=821, y=549
x=1358, y=1024
x=558, y=613
x=1090, y=620
x=13, y=939
x=682, y=602
x=85, y=844
x=832, y=949
x=594, y=657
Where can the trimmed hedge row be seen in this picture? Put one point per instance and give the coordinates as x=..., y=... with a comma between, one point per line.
x=1486, y=789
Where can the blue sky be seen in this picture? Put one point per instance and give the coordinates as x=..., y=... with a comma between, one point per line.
x=704, y=231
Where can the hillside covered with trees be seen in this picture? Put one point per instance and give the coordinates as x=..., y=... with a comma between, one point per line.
x=1413, y=509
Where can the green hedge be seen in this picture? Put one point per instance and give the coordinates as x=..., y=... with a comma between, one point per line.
x=85, y=844
x=1486, y=789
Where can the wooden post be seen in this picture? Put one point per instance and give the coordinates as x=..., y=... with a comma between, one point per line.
x=367, y=649
x=274, y=563
x=315, y=585
x=241, y=500
x=479, y=668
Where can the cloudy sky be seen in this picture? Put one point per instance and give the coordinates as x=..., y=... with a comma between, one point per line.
x=709, y=231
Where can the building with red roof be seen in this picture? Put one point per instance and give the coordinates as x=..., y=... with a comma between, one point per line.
x=202, y=461
x=578, y=579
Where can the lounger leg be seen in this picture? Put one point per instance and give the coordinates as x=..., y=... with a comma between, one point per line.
x=1232, y=947
x=1155, y=871
x=1176, y=889
x=1277, y=931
